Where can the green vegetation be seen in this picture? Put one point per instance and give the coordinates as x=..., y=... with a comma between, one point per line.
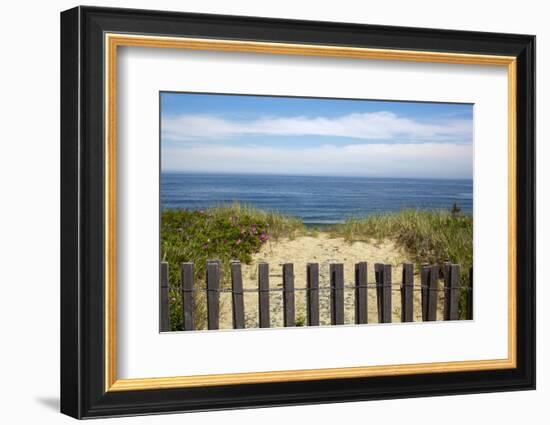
x=225, y=233
x=428, y=236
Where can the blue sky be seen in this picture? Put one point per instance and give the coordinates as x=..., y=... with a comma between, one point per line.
x=310, y=136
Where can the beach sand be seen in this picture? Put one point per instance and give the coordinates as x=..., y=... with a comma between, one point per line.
x=324, y=250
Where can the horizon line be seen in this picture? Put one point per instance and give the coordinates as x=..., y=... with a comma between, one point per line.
x=244, y=173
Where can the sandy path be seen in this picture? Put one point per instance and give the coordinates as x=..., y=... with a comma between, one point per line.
x=323, y=250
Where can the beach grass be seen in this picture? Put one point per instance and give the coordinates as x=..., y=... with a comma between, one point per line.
x=429, y=236
x=237, y=231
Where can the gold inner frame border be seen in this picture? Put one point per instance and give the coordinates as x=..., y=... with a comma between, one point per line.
x=113, y=41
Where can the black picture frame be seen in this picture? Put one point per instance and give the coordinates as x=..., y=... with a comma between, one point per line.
x=83, y=392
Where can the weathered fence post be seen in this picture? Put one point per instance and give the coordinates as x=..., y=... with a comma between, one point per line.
x=361, y=294
x=312, y=294
x=432, y=293
x=446, y=275
x=164, y=299
x=336, y=294
x=263, y=294
x=213, y=293
x=451, y=292
x=407, y=287
x=385, y=294
x=237, y=295
x=289, y=317
x=470, y=296
x=187, y=295
x=445, y=269
x=424, y=277
x=378, y=278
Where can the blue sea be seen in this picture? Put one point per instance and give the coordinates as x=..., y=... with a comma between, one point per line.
x=316, y=200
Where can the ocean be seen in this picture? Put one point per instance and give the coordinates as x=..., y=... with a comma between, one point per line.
x=315, y=200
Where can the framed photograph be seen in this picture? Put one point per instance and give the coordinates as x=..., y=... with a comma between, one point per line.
x=261, y=212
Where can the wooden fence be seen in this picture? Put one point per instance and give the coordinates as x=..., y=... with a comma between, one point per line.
x=383, y=284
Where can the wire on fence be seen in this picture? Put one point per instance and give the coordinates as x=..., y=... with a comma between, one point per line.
x=395, y=287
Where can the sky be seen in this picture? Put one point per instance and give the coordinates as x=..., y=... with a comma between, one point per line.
x=215, y=133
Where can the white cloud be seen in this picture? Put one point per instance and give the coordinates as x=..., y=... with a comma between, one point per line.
x=438, y=160
x=369, y=126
